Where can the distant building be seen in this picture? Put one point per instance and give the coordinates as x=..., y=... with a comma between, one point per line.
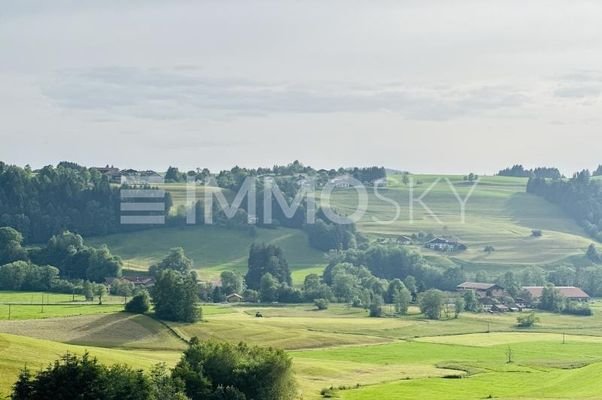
x=234, y=298
x=138, y=281
x=345, y=181
x=570, y=292
x=442, y=244
x=404, y=240
x=482, y=290
x=112, y=173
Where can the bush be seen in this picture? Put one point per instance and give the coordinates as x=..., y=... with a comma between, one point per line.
x=527, y=321
x=84, y=378
x=321, y=304
x=251, y=372
x=575, y=308
x=139, y=304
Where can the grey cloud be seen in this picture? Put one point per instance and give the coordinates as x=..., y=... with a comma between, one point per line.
x=580, y=85
x=185, y=93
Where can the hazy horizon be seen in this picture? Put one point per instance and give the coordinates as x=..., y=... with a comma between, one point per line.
x=429, y=88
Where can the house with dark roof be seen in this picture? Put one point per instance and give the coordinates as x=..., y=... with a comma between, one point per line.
x=443, y=244
x=481, y=289
x=570, y=292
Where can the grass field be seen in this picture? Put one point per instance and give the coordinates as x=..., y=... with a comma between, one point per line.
x=498, y=213
x=368, y=358
x=17, y=352
x=213, y=249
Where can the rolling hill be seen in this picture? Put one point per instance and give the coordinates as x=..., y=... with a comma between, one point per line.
x=498, y=213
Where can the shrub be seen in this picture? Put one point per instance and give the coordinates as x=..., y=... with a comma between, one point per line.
x=527, y=321
x=207, y=368
x=139, y=304
x=321, y=304
x=575, y=308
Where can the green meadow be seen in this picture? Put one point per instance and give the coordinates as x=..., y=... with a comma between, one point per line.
x=212, y=248
x=342, y=348
x=497, y=212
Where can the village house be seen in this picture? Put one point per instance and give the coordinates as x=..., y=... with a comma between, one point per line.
x=442, y=244
x=234, y=298
x=404, y=240
x=570, y=292
x=482, y=290
x=112, y=173
x=137, y=281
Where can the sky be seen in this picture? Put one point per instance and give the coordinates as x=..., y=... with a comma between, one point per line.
x=424, y=86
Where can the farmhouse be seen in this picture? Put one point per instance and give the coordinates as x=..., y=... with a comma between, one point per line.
x=482, y=290
x=137, y=281
x=234, y=298
x=570, y=292
x=442, y=244
x=345, y=181
x=404, y=240
x=112, y=173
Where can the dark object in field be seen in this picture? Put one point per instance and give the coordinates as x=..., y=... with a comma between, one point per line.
x=258, y=315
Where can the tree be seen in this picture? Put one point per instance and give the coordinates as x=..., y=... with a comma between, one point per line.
x=10, y=246
x=459, y=306
x=176, y=260
x=376, y=306
x=88, y=291
x=268, y=291
x=527, y=321
x=471, y=303
x=139, y=304
x=402, y=299
x=593, y=254
x=551, y=299
x=100, y=290
x=122, y=287
x=321, y=304
x=75, y=377
x=175, y=296
x=231, y=282
x=410, y=284
x=208, y=368
x=431, y=303
x=266, y=258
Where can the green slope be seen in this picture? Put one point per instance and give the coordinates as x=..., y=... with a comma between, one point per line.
x=213, y=249
x=499, y=213
x=16, y=352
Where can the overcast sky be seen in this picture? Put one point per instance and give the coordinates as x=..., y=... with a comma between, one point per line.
x=425, y=86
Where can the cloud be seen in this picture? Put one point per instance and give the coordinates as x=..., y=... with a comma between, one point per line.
x=186, y=93
x=580, y=85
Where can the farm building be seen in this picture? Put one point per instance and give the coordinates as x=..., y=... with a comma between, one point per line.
x=570, y=292
x=234, y=298
x=404, y=240
x=137, y=281
x=442, y=244
x=482, y=290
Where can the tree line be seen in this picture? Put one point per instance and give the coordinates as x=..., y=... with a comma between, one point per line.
x=540, y=172
x=579, y=196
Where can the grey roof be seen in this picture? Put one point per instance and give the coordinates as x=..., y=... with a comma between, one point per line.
x=477, y=286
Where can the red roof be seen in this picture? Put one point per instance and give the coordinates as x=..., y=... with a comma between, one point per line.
x=570, y=292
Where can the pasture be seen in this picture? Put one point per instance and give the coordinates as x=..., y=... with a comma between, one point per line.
x=393, y=358
x=498, y=213
x=213, y=249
